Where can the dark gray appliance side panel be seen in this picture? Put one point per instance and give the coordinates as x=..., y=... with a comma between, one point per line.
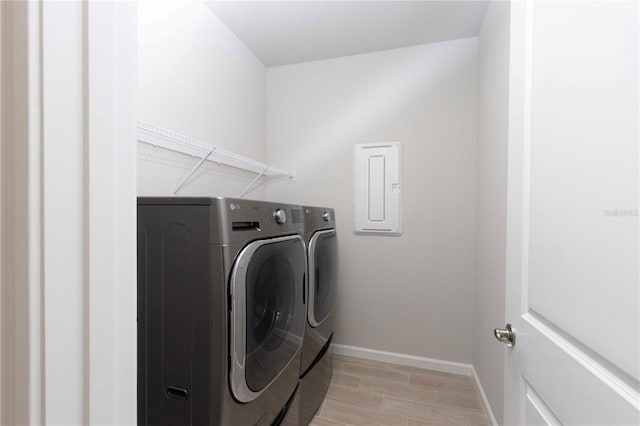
x=313, y=387
x=219, y=359
x=174, y=314
x=143, y=249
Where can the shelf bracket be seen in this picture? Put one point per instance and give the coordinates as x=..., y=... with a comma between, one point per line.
x=175, y=191
x=246, y=189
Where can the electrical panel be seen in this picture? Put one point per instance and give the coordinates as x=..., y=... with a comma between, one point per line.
x=377, y=188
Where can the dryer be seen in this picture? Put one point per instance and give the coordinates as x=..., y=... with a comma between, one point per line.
x=322, y=260
x=221, y=310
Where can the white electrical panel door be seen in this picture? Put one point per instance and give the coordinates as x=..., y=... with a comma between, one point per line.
x=377, y=192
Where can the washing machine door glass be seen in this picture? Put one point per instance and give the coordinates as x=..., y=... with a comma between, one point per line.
x=323, y=264
x=268, y=312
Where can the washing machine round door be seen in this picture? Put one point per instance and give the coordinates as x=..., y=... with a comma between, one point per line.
x=267, y=312
x=323, y=262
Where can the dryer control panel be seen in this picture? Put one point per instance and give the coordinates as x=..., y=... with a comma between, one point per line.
x=281, y=216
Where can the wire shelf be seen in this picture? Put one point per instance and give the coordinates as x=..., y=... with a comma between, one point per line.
x=157, y=136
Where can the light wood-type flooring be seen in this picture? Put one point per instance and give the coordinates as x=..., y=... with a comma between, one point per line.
x=364, y=392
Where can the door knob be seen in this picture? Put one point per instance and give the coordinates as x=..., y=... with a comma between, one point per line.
x=506, y=335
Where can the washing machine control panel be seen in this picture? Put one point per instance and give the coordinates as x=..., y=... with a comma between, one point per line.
x=281, y=216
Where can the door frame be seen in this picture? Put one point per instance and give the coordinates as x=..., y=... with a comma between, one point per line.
x=520, y=32
x=68, y=152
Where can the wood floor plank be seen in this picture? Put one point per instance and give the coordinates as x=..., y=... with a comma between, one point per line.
x=467, y=382
x=418, y=370
x=375, y=371
x=358, y=416
x=458, y=401
x=344, y=379
x=439, y=383
x=398, y=390
x=359, y=397
x=415, y=410
x=319, y=421
x=468, y=418
x=372, y=393
x=355, y=360
x=416, y=422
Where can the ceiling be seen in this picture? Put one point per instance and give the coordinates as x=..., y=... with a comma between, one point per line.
x=288, y=32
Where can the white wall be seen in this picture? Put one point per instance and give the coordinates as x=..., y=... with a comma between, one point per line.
x=493, y=104
x=198, y=79
x=411, y=294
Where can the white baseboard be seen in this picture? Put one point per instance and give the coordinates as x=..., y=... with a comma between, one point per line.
x=402, y=359
x=485, y=401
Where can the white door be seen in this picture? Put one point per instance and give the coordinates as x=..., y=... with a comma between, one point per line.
x=573, y=285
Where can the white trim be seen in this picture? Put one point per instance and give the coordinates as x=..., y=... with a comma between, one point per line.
x=485, y=400
x=68, y=216
x=403, y=359
x=125, y=236
x=22, y=336
x=2, y=119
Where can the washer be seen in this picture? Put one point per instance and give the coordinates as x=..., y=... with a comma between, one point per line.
x=221, y=310
x=322, y=260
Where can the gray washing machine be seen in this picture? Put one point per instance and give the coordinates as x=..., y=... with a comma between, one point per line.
x=322, y=258
x=221, y=310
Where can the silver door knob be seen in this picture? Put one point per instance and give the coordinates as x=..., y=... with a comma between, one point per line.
x=506, y=335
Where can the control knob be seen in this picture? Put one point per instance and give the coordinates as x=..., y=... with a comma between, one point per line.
x=280, y=215
x=325, y=216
